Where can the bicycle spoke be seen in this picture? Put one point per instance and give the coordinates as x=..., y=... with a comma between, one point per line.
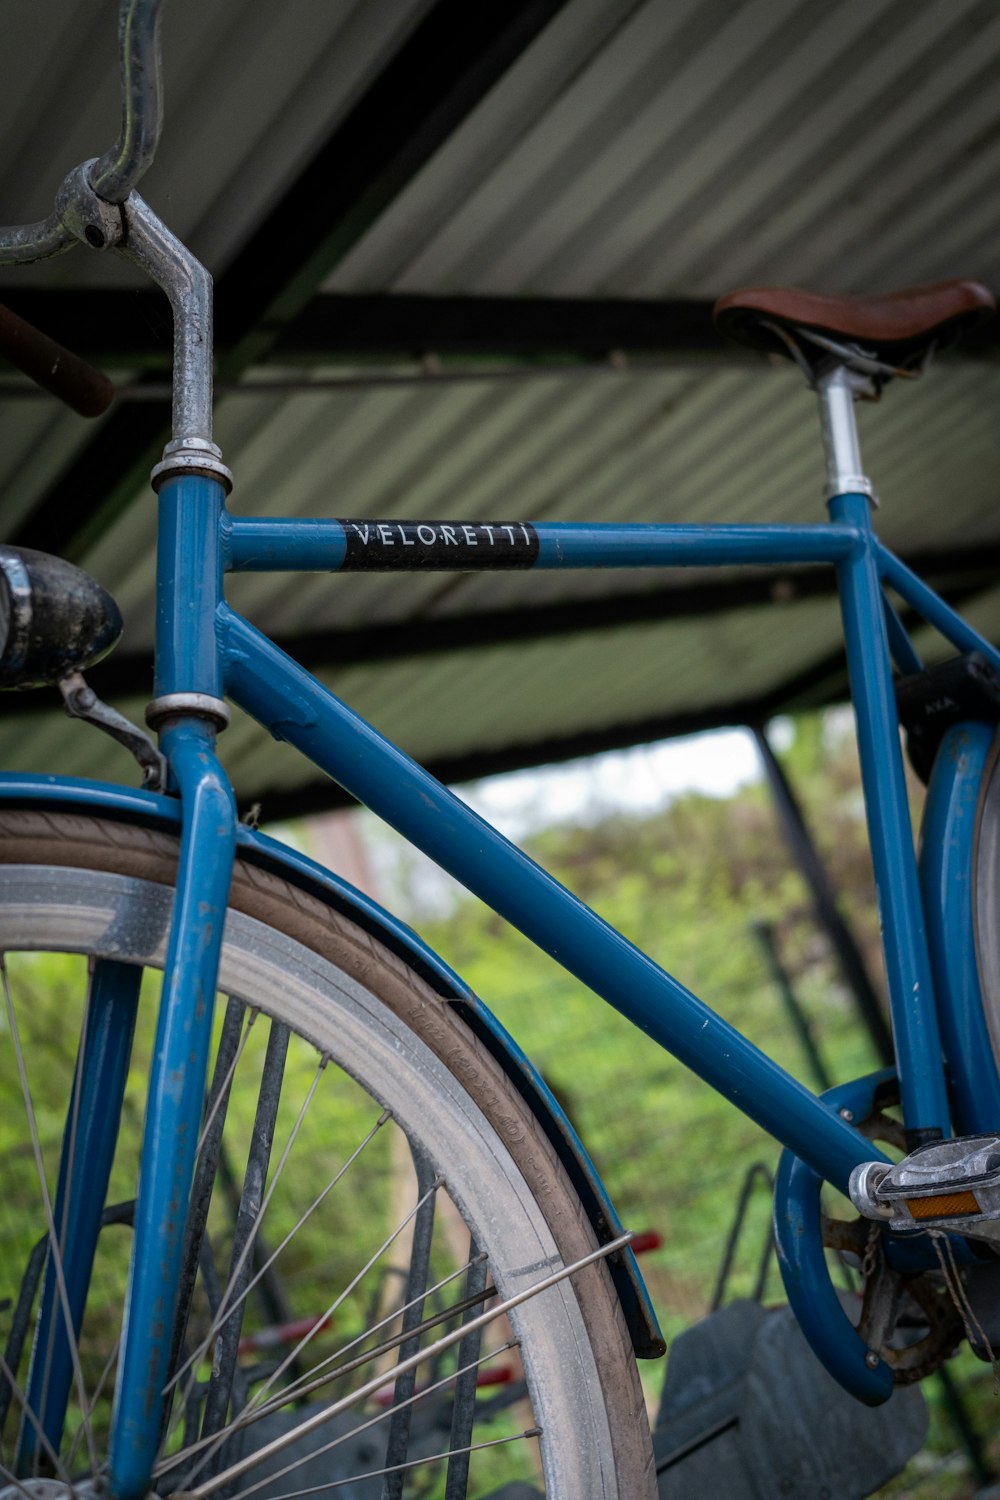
x=379, y=1123
x=464, y=1408
x=71, y=1154
x=413, y=1463
x=313, y=1380
x=54, y=1249
x=109, y=1365
x=12, y=1479
x=21, y=1321
x=29, y=1415
x=248, y=1219
x=341, y=1298
x=237, y=1470
x=221, y=1086
x=225, y=1308
x=232, y=1042
x=337, y=1442
x=398, y=1440
x=338, y=1302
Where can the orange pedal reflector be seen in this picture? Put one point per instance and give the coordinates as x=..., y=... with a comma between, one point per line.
x=947, y=1206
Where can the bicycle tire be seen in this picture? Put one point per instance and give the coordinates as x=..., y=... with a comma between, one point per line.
x=986, y=894
x=102, y=889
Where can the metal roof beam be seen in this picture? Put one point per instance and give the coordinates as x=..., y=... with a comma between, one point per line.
x=323, y=795
x=822, y=684
x=958, y=574
x=132, y=328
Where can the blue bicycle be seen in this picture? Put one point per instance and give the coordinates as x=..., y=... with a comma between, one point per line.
x=361, y=1247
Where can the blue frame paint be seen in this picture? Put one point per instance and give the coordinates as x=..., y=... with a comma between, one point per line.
x=908, y=970
x=277, y=545
x=189, y=580
x=204, y=647
x=88, y=1149
x=283, y=697
x=946, y=876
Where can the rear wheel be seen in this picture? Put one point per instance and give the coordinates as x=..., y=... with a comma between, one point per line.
x=986, y=893
x=364, y=1169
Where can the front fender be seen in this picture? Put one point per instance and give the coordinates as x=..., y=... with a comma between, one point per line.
x=138, y=806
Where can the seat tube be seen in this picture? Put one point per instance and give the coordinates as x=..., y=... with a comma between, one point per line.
x=911, y=992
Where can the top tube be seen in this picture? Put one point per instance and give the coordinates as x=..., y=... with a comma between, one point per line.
x=273, y=545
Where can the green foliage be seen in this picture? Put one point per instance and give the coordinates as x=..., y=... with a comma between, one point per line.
x=687, y=885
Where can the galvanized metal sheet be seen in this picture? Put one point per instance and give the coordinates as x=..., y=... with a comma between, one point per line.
x=632, y=150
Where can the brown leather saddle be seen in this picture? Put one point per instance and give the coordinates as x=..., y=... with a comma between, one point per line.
x=899, y=329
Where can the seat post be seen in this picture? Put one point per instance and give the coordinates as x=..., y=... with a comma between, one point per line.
x=838, y=388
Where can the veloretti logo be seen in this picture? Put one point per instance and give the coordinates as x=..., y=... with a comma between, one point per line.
x=448, y=545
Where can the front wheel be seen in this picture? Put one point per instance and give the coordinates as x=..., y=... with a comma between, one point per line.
x=367, y=1180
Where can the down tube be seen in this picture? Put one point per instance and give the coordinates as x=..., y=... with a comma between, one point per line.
x=284, y=698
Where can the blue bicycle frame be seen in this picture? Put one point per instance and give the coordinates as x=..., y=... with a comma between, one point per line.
x=206, y=653
x=205, y=650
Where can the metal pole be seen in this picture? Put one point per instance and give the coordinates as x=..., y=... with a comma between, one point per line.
x=764, y=933
x=828, y=913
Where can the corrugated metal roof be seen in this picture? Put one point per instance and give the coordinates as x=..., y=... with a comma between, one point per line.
x=630, y=150
x=700, y=146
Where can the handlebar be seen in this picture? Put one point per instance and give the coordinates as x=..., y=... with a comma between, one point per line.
x=78, y=384
x=96, y=203
x=115, y=174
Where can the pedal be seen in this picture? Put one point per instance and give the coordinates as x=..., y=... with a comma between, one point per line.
x=953, y=1185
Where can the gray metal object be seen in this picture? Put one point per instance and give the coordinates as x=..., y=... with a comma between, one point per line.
x=83, y=703
x=201, y=705
x=85, y=214
x=220, y=1389
x=112, y=176
x=838, y=389
x=951, y=1185
x=748, y=1412
x=864, y=1190
x=398, y=1439
x=158, y=252
x=116, y=173
x=190, y=456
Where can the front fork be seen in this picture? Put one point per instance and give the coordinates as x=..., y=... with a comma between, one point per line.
x=169, y=1148
x=176, y=1096
x=187, y=709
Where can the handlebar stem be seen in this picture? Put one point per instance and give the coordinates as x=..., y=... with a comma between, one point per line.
x=150, y=244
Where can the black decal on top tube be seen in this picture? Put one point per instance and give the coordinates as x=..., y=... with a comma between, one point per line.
x=386, y=546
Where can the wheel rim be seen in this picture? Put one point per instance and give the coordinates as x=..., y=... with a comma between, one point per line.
x=116, y=917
